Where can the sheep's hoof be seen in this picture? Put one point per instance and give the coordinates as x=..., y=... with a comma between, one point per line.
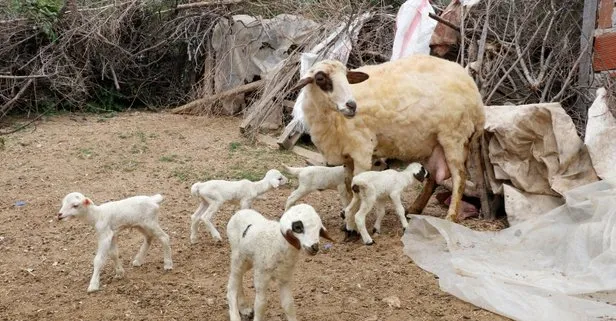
x=351, y=236
x=371, y=242
x=92, y=289
x=452, y=218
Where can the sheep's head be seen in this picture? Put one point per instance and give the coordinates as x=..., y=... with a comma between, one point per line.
x=333, y=81
x=301, y=226
x=275, y=178
x=418, y=171
x=74, y=204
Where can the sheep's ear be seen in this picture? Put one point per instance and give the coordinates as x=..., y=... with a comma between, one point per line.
x=292, y=239
x=355, y=77
x=302, y=82
x=323, y=233
x=87, y=202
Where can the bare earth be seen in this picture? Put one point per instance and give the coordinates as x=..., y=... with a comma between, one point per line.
x=45, y=265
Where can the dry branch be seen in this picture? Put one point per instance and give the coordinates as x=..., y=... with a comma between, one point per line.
x=198, y=106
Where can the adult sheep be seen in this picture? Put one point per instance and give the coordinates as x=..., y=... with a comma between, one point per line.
x=416, y=109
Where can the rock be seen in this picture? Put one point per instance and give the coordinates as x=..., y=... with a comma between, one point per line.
x=392, y=301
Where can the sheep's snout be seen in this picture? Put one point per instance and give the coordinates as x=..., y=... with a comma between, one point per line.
x=313, y=249
x=350, y=108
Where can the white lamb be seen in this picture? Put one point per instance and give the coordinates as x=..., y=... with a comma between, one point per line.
x=139, y=212
x=214, y=193
x=320, y=178
x=272, y=249
x=373, y=188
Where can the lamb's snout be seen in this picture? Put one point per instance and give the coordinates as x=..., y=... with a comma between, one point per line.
x=59, y=216
x=313, y=249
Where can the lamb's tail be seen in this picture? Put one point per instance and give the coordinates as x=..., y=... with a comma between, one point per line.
x=157, y=198
x=294, y=171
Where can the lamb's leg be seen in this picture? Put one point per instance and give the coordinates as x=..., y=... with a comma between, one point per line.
x=261, y=282
x=456, y=153
x=344, y=198
x=104, y=243
x=158, y=232
x=286, y=300
x=194, y=221
x=115, y=256
x=295, y=196
x=207, y=219
x=234, y=286
x=143, y=250
x=395, y=198
x=368, y=198
x=380, y=213
x=246, y=203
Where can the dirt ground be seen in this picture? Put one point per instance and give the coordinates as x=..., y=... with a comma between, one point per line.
x=45, y=265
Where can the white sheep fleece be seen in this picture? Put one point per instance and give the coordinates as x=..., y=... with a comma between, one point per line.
x=271, y=249
x=108, y=219
x=214, y=193
x=373, y=188
x=320, y=178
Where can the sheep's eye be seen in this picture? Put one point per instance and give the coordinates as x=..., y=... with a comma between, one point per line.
x=297, y=227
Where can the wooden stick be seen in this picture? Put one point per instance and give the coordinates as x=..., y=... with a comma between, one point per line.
x=5, y=108
x=207, y=100
x=207, y=3
x=443, y=21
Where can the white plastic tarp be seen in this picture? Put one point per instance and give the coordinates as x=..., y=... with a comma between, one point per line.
x=413, y=29
x=560, y=266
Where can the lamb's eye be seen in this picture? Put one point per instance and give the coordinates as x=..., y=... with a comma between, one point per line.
x=297, y=227
x=75, y=205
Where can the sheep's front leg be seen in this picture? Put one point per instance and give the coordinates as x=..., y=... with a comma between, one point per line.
x=104, y=244
x=286, y=300
x=396, y=199
x=194, y=221
x=115, y=256
x=261, y=281
x=295, y=196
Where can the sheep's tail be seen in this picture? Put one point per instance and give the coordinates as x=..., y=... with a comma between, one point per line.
x=157, y=198
x=294, y=171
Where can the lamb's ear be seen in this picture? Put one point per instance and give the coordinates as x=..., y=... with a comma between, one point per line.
x=355, y=77
x=292, y=239
x=87, y=202
x=323, y=234
x=302, y=82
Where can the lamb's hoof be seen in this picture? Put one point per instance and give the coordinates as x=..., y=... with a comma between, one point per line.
x=369, y=243
x=342, y=216
x=137, y=263
x=351, y=236
x=375, y=231
x=168, y=266
x=119, y=274
x=247, y=314
x=92, y=289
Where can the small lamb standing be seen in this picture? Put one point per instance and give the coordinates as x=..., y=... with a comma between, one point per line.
x=373, y=188
x=139, y=212
x=214, y=193
x=320, y=178
x=272, y=249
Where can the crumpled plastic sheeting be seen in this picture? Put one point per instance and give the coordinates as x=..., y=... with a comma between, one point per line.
x=537, y=148
x=600, y=136
x=248, y=46
x=558, y=266
x=413, y=29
